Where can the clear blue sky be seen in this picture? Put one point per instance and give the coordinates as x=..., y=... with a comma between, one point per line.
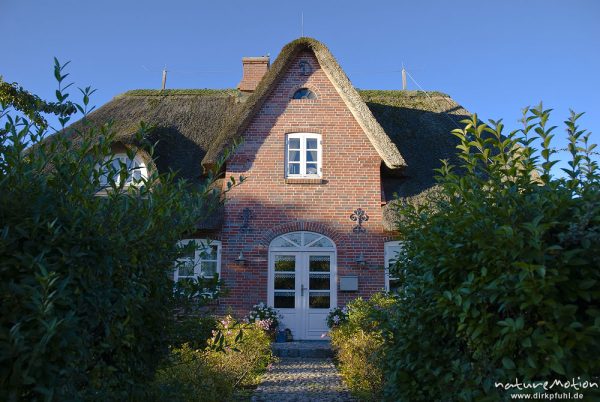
x=493, y=57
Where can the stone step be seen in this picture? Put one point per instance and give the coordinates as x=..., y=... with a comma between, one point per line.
x=305, y=349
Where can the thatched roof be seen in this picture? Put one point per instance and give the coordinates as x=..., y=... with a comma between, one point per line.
x=410, y=129
x=419, y=124
x=185, y=123
x=236, y=126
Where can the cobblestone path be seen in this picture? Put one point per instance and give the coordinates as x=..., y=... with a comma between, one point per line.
x=302, y=379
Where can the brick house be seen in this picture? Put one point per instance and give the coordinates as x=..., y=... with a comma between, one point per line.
x=312, y=227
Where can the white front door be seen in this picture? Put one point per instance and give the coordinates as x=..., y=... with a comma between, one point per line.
x=302, y=286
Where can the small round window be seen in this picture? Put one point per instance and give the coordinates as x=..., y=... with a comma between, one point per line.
x=304, y=93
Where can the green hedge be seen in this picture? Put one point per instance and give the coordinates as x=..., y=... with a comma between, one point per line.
x=84, y=279
x=501, y=270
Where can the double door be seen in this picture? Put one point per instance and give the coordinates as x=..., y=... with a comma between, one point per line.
x=302, y=286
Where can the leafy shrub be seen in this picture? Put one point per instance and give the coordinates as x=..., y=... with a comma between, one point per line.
x=266, y=316
x=358, y=343
x=193, y=330
x=247, y=351
x=84, y=286
x=234, y=358
x=187, y=376
x=337, y=316
x=500, y=270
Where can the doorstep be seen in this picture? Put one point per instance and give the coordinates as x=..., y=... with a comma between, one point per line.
x=307, y=349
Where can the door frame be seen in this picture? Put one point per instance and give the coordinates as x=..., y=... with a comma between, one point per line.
x=302, y=274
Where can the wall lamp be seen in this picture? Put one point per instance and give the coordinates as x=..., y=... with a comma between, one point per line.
x=241, y=259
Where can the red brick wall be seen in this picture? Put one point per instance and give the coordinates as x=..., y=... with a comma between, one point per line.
x=351, y=175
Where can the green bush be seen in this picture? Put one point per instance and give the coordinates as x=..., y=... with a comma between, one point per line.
x=358, y=343
x=235, y=357
x=500, y=270
x=247, y=351
x=187, y=376
x=84, y=279
x=194, y=331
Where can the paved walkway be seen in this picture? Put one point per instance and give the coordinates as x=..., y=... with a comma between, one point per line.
x=302, y=379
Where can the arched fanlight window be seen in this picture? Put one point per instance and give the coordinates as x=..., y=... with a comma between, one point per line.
x=297, y=240
x=134, y=170
x=304, y=93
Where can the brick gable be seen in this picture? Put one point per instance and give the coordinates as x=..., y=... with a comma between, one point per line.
x=350, y=180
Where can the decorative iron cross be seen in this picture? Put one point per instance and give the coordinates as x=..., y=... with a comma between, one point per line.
x=359, y=216
x=246, y=216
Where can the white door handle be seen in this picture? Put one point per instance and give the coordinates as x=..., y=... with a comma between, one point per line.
x=302, y=289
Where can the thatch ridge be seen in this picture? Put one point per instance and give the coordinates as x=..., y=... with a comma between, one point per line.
x=236, y=126
x=183, y=91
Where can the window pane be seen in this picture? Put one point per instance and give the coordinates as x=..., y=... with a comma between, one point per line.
x=209, y=268
x=294, y=237
x=311, y=168
x=294, y=143
x=285, y=281
x=208, y=252
x=318, y=300
x=311, y=156
x=282, y=242
x=319, y=282
x=285, y=263
x=189, y=253
x=304, y=93
x=319, y=263
x=311, y=143
x=324, y=242
x=285, y=299
x=186, y=268
x=310, y=237
x=137, y=174
x=294, y=168
x=294, y=156
x=115, y=169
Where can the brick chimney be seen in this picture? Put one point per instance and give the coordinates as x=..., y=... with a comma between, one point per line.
x=254, y=68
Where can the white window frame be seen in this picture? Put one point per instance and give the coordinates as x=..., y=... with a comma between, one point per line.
x=129, y=163
x=303, y=137
x=391, y=249
x=198, y=257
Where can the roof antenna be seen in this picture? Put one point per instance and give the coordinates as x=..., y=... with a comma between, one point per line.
x=403, y=77
x=164, y=78
x=302, y=25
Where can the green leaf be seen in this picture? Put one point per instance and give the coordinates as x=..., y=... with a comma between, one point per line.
x=557, y=367
x=508, y=363
x=587, y=284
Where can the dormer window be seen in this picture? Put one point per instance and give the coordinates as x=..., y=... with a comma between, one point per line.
x=303, y=155
x=304, y=93
x=134, y=170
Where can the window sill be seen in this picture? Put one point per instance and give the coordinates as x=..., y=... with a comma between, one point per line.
x=304, y=180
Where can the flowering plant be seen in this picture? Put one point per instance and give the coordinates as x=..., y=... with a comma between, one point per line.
x=337, y=316
x=264, y=316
